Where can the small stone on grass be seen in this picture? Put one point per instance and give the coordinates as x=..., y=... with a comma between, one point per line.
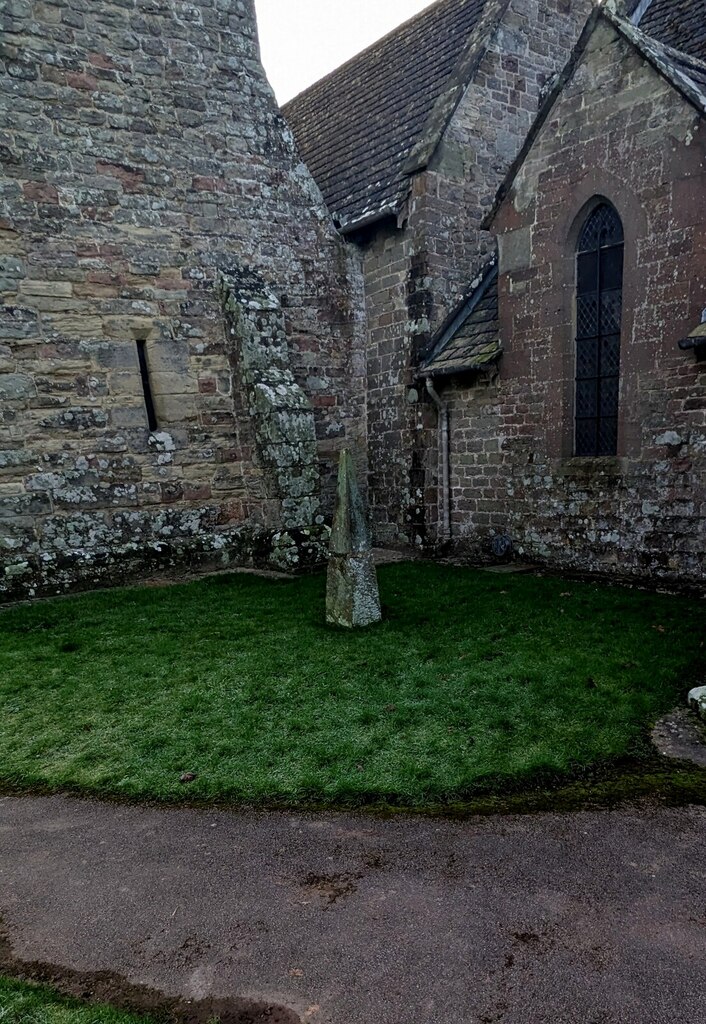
x=697, y=701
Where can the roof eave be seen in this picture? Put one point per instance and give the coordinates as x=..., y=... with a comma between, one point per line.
x=693, y=341
x=367, y=219
x=458, y=316
x=457, y=371
x=649, y=47
x=697, y=338
x=640, y=11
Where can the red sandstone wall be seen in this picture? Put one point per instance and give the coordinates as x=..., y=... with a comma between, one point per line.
x=414, y=275
x=620, y=131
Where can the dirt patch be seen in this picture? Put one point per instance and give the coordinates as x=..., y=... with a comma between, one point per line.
x=376, y=860
x=682, y=736
x=394, y=556
x=107, y=987
x=173, y=578
x=332, y=887
x=511, y=569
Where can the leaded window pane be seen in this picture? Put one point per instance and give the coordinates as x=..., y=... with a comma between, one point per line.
x=586, y=397
x=607, y=436
x=587, y=272
x=611, y=312
x=586, y=437
x=599, y=299
x=587, y=351
x=611, y=267
x=587, y=319
x=610, y=356
x=608, y=397
x=602, y=228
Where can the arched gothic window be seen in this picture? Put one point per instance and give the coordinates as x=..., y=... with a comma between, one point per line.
x=599, y=305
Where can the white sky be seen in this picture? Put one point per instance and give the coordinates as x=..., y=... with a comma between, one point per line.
x=302, y=40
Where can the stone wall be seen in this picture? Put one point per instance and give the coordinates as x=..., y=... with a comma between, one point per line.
x=397, y=291
x=144, y=160
x=416, y=272
x=621, y=132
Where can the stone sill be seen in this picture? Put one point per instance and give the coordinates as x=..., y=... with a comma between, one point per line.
x=592, y=467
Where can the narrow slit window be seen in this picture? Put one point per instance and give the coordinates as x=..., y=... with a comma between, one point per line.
x=146, y=384
x=599, y=301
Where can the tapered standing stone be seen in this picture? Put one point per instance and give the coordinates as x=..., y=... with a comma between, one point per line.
x=352, y=595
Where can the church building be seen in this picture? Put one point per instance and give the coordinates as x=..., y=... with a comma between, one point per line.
x=475, y=256
x=536, y=285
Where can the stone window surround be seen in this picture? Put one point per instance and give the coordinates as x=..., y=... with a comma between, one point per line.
x=592, y=249
x=599, y=186
x=158, y=336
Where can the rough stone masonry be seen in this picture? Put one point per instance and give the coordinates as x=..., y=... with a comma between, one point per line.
x=186, y=341
x=621, y=131
x=151, y=196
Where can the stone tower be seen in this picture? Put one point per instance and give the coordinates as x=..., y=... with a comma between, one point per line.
x=177, y=327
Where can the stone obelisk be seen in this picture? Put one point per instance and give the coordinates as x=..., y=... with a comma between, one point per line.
x=352, y=596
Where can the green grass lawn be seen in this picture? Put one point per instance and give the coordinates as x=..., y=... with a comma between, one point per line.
x=23, y=1003
x=474, y=683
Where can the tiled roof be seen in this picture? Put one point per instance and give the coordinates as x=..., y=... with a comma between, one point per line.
x=356, y=128
x=677, y=23
x=469, y=340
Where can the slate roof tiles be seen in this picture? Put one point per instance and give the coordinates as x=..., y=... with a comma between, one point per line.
x=687, y=74
x=356, y=128
x=469, y=340
x=680, y=24
x=684, y=70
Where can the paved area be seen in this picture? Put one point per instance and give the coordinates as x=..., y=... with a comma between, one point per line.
x=681, y=735
x=591, y=918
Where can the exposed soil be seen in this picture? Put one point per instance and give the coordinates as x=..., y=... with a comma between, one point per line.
x=333, y=887
x=626, y=781
x=393, y=556
x=105, y=987
x=179, y=575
